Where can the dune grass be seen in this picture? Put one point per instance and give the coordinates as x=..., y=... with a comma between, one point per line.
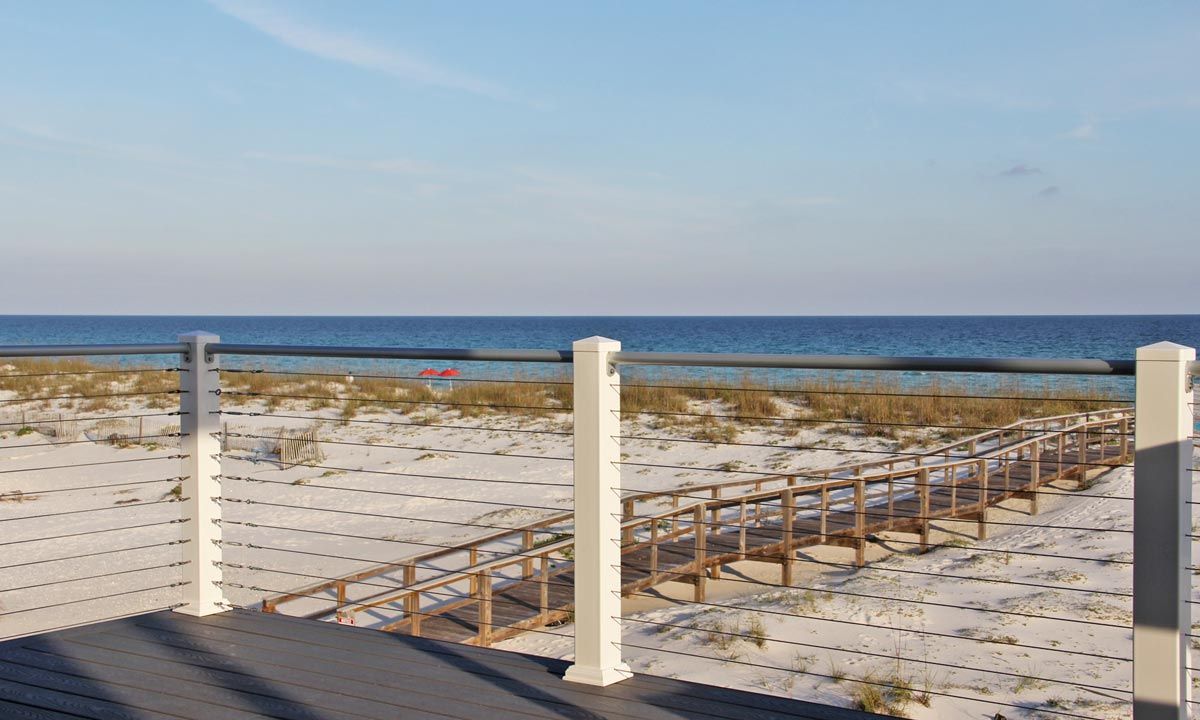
x=713, y=409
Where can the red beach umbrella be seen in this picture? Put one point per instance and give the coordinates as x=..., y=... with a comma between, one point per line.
x=428, y=373
x=449, y=373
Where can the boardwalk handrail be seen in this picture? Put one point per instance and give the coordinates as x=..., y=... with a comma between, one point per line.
x=272, y=602
x=485, y=584
x=949, y=468
x=856, y=468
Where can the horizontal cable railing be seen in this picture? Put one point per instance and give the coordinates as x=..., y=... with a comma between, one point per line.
x=398, y=510
x=90, y=485
x=814, y=534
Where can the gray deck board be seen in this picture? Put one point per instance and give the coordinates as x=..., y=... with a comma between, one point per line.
x=246, y=665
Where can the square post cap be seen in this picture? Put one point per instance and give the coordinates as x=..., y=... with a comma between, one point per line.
x=596, y=344
x=1166, y=352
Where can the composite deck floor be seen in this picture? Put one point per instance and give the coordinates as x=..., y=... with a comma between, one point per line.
x=245, y=665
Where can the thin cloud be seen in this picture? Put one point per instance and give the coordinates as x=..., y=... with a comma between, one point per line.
x=387, y=166
x=44, y=138
x=344, y=48
x=1021, y=170
x=809, y=201
x=1086, y=131
x=1049, y=191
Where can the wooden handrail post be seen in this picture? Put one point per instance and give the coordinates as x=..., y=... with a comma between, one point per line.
x=891, y=521
x=412, y=601
x=1058, y=467
x=923, y=495
x=1161, y=525
x=1124, y=440
x=1081, y=442
x=626, y=516
x=527, y=563
x=200, y=506
x=983, y=499
x=544, y=590
x=715, y=511
x=701, y=545
x=789, y=513
x=742, y=530
x=412, y=607
x=715, y=514
x=860, y=522
x=484, y=583
x=951, y=479
x=654, y=550
x=597, y=408
x=824, y=513
x=1035, y=476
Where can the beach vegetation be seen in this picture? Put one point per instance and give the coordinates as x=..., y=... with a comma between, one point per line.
x=882, y=695
x=708, y=409
x=837, y=672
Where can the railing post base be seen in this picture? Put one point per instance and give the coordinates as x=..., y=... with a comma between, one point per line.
x=597, y=676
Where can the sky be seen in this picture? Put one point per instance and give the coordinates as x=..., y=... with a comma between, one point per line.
x=617, y=158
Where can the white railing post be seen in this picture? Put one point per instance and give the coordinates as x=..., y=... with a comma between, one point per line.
x=597, y=405
x=1161, y=523
x=200, y=445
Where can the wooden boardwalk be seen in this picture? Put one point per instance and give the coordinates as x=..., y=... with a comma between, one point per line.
x=530, y=585
x=244, y=665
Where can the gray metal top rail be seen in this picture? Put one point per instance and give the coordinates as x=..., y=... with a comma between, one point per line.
x=75, y=350
x=746, y=360
x=880, y=362
x=736, y=360
x=392, y=353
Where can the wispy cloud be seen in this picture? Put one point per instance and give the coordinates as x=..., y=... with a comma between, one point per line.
x=1087, y=130
x=389, y=166
x=1020, y=170
x=1049, y=191
x=345, y=48
x=45, y=138
x=798, y=201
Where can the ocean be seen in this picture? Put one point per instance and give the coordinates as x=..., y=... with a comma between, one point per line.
x=1105, y=336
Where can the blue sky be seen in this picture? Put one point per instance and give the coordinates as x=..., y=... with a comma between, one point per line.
x=260, y=156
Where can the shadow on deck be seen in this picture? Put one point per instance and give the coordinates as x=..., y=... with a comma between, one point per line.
x=242, y=665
